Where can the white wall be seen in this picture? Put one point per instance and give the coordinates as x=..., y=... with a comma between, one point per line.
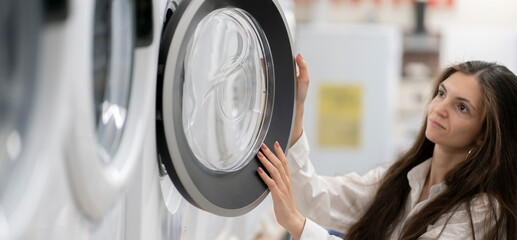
x=463, y=12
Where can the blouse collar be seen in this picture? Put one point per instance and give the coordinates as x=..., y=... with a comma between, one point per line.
x=417, y=177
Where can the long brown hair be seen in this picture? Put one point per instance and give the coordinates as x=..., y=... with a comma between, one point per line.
x=490, y=169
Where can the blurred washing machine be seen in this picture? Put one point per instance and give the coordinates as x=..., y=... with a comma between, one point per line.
x=226, y=83
x=112, y=92
x=97, y=65
x=109, y=100
x=30, y=122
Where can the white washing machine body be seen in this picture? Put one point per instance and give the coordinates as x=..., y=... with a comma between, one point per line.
x=85, y=193
x=111, y=96
x=32, y=94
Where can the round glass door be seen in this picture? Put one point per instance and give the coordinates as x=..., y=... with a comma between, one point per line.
x=106, y=137
x=225, y=85
x=112, y=68
x=225, y=103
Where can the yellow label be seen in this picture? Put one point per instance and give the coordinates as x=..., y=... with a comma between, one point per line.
x=339, y=115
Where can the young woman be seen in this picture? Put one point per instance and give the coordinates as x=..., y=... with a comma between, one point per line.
x=457, y=181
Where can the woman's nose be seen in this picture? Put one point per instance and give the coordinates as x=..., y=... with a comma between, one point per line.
x=441, y=109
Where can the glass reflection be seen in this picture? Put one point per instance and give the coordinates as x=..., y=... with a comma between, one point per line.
x=112, y=63
x=225, y=89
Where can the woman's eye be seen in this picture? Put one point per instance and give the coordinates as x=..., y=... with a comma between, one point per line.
x=441, y=93
x=463, y=108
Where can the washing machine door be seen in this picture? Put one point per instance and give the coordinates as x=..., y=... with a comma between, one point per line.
x=226, y=84
x=110, y=98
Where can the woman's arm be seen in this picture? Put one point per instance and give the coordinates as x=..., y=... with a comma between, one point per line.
x=279, y=183
x=333, y=202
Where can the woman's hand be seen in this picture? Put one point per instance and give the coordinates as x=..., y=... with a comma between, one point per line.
x=279, y=183
x=302, y=85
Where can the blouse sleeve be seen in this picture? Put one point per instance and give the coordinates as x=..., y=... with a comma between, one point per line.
x=333, y=202
x=312, y=231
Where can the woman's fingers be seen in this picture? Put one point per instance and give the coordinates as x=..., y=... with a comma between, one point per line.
x=273, y=171
x=275, y=163
x=271, y=156
x=283, y=160
x=268, y=180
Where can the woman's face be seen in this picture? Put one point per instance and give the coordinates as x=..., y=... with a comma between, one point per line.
x=454, y=116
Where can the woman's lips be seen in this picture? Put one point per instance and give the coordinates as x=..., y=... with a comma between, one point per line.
x=436, y=124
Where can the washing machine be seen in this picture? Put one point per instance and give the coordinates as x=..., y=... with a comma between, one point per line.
x=225, y=84
x=163, y=212
x=112, y=93
x=93, y=122
x=79, y=80
x=110, y=97
x=30, y=122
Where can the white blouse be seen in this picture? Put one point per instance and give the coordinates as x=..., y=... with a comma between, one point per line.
x=338, y=202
